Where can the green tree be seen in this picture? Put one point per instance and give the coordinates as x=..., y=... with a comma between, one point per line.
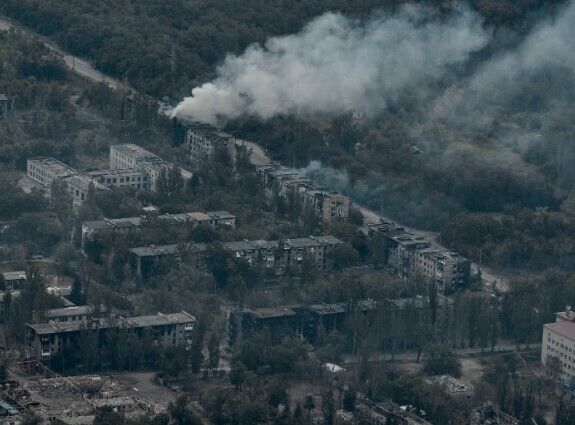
x=438, y=359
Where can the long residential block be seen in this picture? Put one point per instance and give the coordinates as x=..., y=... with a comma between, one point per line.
x=44, y=340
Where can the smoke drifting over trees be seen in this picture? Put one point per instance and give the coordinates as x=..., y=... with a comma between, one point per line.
x=336, y=63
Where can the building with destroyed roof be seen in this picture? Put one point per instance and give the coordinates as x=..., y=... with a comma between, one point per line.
x=146, y=261
x=490, y=414
x=203, y=140
x=286, y=254
x=44, y=340
x=45, y=170
x=129, y=156
x=79, y=186
x=408, y=256
x=294, y=320
x=328, y=206
x=386, y=413
x=126, y=177
x=127, y=225
x=79, y=313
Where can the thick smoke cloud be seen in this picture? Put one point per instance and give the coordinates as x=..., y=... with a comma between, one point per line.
x=478, y=100
x=336, y=63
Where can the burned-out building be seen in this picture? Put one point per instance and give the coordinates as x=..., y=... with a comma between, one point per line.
x=409, y=255
x=279, y=321
x=489, y=414
x=204, y=140
x=328, y=206
x=287, y=254
x=302, y=321
x=128, y=225
x=44, y=340
x=386, y=413
x=148, y=260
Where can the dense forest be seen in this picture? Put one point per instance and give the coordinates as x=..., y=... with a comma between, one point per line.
x=167, y=47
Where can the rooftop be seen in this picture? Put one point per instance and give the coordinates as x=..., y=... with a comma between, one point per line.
x=154, y=251
x=81, y=310
x=271, y=312
x=134, y=151
x=240, y=246
x=16, y=275
x=313, y=241
x=208, y=131
x=565, y=329
x=83, y=183
x=220, y=215
x=130, y=322
x=116, y=172
x=52, y=164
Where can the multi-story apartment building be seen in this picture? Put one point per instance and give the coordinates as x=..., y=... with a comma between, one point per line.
x=147, y=260
x=328, y=206
x=44, y=340
x=448, y=270
x=319, y=248
x=127, y=177
x=286, y=254
x=294, y=320
x=408, y=255
x=79, y=186
x=79, y=313
x=129, y=156
x=127, y=225
x=45, y=170
x=255, y=252
x=203, y=140
x=559, y=342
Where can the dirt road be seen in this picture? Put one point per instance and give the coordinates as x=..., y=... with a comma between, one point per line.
x=77, y=65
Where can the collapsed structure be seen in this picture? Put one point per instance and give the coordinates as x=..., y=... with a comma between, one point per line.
x=384, y=413
x=130, y=166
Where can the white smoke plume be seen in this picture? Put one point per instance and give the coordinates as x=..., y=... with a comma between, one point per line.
x=550, y=47
x=336, y=63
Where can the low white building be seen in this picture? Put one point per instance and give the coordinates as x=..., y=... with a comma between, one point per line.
x=559, y=342
x=130, y=156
